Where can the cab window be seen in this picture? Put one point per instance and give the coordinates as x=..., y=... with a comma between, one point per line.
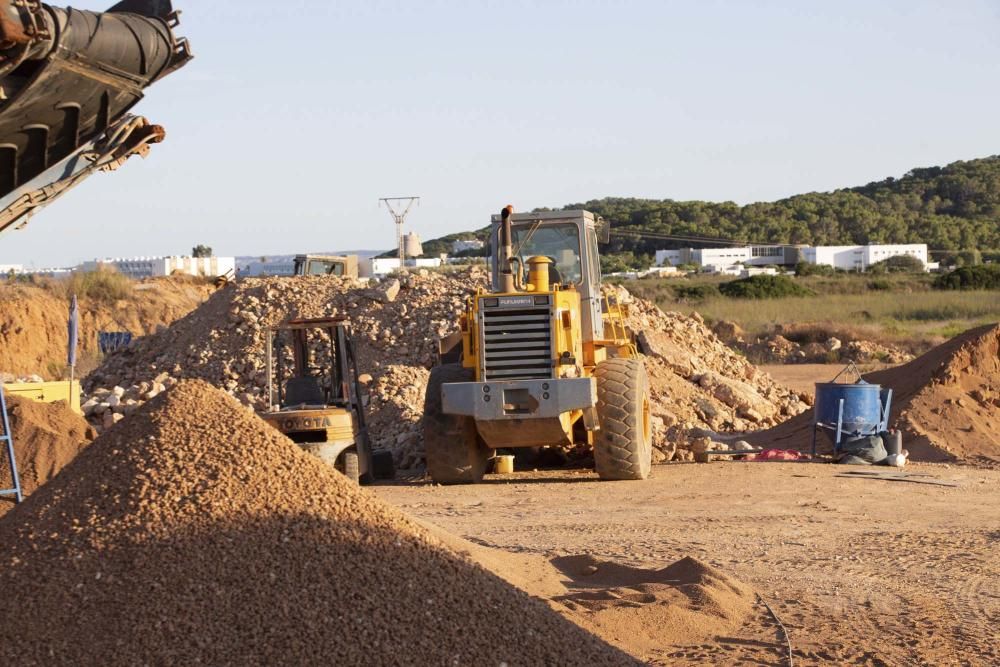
x=560, y=243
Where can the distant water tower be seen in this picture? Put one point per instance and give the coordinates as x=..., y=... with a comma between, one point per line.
x=413, y=246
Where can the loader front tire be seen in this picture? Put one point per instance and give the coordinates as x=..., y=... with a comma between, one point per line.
x=455, y=453
x=623, y=447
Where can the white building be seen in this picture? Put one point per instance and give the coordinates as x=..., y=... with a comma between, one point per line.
x=150, y=267
x=7, y=269
x=847, y=258
x=861, y=257
x=462, y=246
x=671, y=257
x=381, y=266
x=752, y=271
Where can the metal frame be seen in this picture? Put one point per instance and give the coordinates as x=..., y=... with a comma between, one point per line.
x=8, y=439
x=885, y=407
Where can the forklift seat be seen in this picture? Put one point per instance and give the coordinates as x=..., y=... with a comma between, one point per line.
x=304, y=391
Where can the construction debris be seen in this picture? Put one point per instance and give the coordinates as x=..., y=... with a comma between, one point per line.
x=193, y=533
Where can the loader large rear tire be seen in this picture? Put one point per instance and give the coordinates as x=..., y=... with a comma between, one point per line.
x=455, y=453
x=623, y=447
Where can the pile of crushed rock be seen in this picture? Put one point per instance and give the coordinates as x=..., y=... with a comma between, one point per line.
x=193, y=533
x=397, y=324
x=697, y=381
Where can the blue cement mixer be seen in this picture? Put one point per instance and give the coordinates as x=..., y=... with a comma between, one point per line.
x=850, y=411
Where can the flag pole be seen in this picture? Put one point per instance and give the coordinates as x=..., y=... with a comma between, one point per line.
x=73, y=330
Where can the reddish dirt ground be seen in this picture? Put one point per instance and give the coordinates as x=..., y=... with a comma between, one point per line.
x=860, y=571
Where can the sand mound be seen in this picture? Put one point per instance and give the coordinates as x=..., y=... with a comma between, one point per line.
x=193, y=533
x=684, y=603
x=47, y=436
x=643, y=611
x=946, y=402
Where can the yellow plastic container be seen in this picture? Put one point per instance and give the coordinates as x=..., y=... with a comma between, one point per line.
x=503, y=465
x=48, y=392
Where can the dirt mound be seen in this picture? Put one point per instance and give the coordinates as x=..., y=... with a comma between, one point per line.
x=946, y=402
x=194, y=533
x=642, y=611
x=684, y=603
x=33, y=322
x=47, y=436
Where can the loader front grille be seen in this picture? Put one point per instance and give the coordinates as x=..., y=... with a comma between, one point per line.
x=516, y=343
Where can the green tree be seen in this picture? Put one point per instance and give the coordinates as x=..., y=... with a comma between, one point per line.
x=898, y=264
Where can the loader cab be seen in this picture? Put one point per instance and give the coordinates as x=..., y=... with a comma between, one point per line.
x=326, y=265
x=570, y=240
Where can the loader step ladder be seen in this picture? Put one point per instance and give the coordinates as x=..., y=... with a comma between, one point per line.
x=8, y=440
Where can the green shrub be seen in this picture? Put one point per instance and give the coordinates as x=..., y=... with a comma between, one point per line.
x=102, y=285
x=984, y=276
x=807, y=269
x=879, y=285
x=763, y=287
x=694, y=292
x=898, y=264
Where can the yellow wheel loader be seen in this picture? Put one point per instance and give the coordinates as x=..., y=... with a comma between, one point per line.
x=315, y=397
x=540, y=359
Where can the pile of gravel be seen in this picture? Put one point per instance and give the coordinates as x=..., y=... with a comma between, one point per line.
x=193, y=533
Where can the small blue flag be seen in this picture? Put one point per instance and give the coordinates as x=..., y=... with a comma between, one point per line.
x=74, y=332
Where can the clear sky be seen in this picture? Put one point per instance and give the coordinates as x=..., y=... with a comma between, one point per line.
x=297, y=116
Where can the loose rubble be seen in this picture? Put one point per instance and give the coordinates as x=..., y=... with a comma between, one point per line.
x=193, y=533
x=397, y=324
x=697, y=382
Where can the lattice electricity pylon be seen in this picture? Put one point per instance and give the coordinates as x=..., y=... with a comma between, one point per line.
x=8, y=440
x=394, y=204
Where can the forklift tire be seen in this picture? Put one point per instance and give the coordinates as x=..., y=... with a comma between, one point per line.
x=455, y=454
x=383, y=465
x=352, y=468
x=623, y=447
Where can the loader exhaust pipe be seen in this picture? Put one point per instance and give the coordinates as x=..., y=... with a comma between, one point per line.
x=506, y=250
